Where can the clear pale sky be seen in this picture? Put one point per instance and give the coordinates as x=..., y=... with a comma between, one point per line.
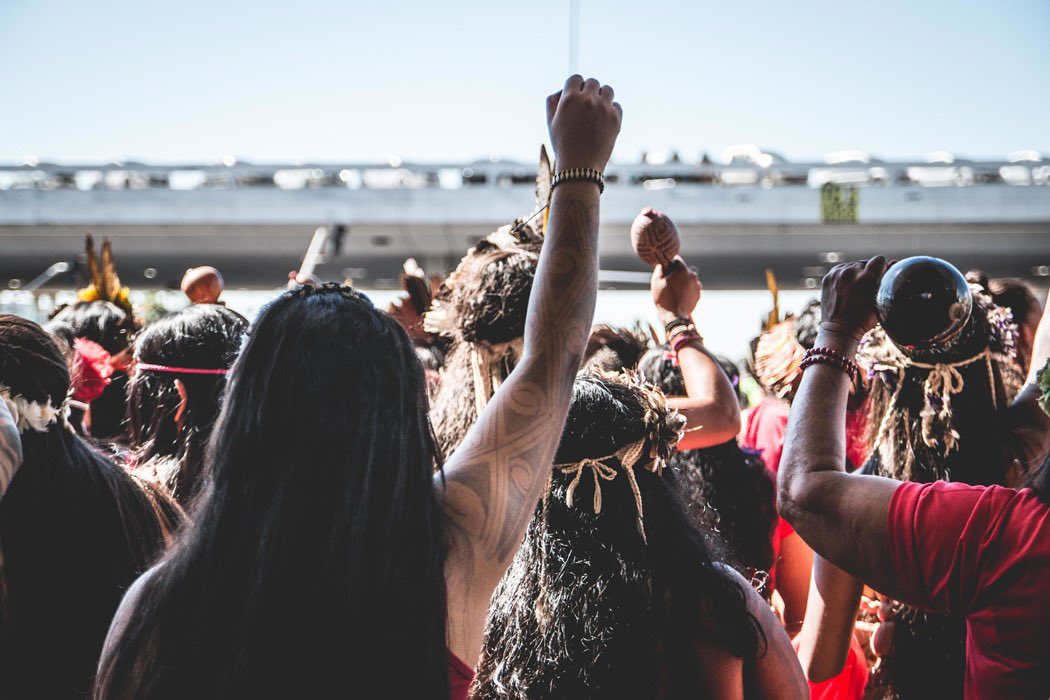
x=194, y=80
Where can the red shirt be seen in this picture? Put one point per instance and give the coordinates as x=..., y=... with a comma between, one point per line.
x=764, y=431
x=849, y=684
x=983, y=551
x=460, y=676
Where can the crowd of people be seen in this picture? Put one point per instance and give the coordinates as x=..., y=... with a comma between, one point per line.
x=476, y=494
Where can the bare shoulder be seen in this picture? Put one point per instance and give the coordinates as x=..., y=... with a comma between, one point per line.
x=776, y=672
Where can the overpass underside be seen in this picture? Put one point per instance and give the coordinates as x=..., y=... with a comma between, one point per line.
x=256, y=236
x=730, y=256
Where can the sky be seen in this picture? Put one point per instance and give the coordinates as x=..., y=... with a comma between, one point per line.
x=307, y=80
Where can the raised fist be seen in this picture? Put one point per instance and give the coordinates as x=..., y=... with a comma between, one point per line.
x=676, y=290
x=584, y=122
x=847, y=302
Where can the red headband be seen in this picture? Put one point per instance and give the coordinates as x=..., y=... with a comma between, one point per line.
x=179, y=370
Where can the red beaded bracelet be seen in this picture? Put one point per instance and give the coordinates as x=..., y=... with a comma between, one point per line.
x=832, y=358
x=682, y=339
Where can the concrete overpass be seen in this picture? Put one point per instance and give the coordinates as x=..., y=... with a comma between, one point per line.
x=256, y=230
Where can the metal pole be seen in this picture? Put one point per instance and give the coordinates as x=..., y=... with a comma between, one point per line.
x=574, y=36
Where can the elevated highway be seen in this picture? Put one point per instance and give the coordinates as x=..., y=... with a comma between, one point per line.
x=735, y=221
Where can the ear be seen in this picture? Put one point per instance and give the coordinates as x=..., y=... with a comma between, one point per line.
x=180, y=413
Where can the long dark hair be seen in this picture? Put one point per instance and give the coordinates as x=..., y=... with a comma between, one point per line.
x=727, y=490
x=75, y=531
x=985, y=453
x=588, y=607
x=202, y=336
x=111, y=327
x=314, y=563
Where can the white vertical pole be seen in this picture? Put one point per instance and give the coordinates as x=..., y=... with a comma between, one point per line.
x=574, y=36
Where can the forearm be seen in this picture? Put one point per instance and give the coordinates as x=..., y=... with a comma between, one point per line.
x=816, y=436
x=824, y=642
x=561, y=306
x=10, y=448
x=711, y=409
x=842, y=517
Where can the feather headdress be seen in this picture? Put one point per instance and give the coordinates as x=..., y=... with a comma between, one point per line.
x=104, y=281
x=419, y=291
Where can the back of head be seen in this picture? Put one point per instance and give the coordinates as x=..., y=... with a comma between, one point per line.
x=315, y=559
x=614, y=349
x=112, y=328
x=202, y=337
x=936, y=412
x=1024, y=306
x=482, y=308
x=612, y=584
x=102, y=322
x=75, y=529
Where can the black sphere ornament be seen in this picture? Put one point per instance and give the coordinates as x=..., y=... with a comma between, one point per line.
x=923, y=303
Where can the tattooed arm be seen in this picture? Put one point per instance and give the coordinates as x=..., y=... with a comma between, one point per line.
x=10, y=448
x=496, y=476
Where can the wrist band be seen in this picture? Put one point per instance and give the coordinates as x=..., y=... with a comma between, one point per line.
x=679, y=330
x=580, y=175
x=685, y=339
x=832, y=358
x=676, y=322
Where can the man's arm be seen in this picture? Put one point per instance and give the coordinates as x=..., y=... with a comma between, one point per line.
x=10, y=448
x=842, y=517
x=496, y=476
x=710, y=406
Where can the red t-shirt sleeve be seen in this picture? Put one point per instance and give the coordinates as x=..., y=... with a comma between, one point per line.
x=941, y=535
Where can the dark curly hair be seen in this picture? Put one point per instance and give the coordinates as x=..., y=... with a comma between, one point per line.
x=727, y=490
x=487, y=297
x=589, y=608
x=614, y=349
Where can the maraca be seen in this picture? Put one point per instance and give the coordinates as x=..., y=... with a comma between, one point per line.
x=923, y=303
x=202, y=285
x=654, y=238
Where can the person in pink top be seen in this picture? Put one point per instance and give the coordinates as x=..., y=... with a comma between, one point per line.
x=979, y=551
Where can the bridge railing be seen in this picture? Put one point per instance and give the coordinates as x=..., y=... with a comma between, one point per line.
x=497, y=173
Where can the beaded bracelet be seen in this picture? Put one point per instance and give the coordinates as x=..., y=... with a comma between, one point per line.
x=832, y=358
x=680, y=330
x=677, y=322
x=580, y=175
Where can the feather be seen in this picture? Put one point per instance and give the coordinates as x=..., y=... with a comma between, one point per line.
x=440, y=318
x=774, y=315
x=92, y=264
x=110, y=289
x=544, y=176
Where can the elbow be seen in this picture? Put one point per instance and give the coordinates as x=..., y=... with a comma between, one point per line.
x=715, y=428
x=790, y=495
